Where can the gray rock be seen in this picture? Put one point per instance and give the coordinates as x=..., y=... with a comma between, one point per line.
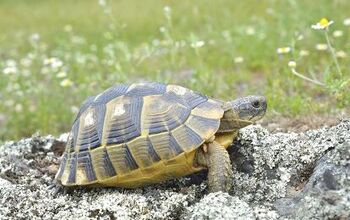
x=326, y=193
x=219, y=206
x=277, y=176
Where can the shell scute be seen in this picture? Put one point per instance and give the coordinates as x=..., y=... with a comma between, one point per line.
x=146, y=89
x=121, y=158
x=122, y=120
x=160, y=114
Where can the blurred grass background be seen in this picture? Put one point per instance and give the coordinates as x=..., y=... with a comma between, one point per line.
x=56, y=53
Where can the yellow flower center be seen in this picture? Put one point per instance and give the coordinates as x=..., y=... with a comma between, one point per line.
x=324, y=22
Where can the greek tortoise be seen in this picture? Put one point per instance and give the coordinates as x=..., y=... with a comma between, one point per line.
x=129, y=136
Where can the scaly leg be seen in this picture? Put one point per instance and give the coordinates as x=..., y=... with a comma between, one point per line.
x=217, y=160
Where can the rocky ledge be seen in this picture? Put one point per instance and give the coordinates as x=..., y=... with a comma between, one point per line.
x=277, y=176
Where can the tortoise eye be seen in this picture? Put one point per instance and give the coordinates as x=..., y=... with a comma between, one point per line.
x=256, y=104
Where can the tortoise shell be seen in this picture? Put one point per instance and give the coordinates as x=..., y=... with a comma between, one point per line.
x=139, y=134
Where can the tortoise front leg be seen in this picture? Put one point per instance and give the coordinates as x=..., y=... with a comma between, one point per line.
x=216, y=158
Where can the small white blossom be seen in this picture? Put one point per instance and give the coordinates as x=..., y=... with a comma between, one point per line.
x=10, y=70
x=34, y=37
x=11, y=67
x=10, y=63
x=250, y=31
x=102, y=3
x=341, y=54
x=61, y=74
x=197, y=44
x=167, y=9
x=292, y=64
x=321, y=47
x=68, y=28
x=346, y=22
x=26, y=62
x=18, y=107
x=337, y=33
x=53, y=62
x=238, y=59
x=74, y=109
x=66, y=83
x=283, y=50
x=300, y=37
x=57, y=64
x=304, y=53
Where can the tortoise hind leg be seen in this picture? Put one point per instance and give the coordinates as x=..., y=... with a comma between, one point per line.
x=217, y=160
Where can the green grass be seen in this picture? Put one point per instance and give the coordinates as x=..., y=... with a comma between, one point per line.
x=140, y=41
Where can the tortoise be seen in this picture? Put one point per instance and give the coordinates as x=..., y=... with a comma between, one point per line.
x=145, y=133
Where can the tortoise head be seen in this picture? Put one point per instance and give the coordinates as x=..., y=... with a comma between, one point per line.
x=242, y=112
x=249, y=108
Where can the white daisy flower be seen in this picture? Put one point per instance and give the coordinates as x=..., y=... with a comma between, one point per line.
x=322, y=24
x=321, y=47
x=18, y=107
x=283, y=50
x=292, y=64
x=346, y=22
x=10, y=70
x=66, y=83
x=341, y=54
x=26, y=62
x=197, y=44
x=304, y=53
x=61, y=74
x=250, y=31
x=238, y=59
x=34, y=37
x=68, y=28
x=337, y=33
x=102, y=3
x=53, y=62
x=167, y=9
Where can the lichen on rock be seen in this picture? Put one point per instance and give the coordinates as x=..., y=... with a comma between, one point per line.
x=276, y=176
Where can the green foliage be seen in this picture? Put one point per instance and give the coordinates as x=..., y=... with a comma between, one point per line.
x=56, y=53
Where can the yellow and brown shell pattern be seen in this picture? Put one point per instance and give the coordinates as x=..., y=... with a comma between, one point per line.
x=139, y=134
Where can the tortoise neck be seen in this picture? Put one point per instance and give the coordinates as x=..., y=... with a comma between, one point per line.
x=227, y=122
x=230, y=122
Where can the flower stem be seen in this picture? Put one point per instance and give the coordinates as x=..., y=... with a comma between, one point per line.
x=333, y=54
x=307, y=78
